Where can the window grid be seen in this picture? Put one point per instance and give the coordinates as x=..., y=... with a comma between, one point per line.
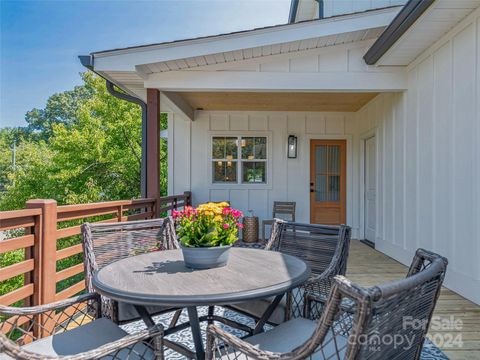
x=247, y=164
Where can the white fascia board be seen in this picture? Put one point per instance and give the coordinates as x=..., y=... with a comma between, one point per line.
x=127, y=59
x=258, y=81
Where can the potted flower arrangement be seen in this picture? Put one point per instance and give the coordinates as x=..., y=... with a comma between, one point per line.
x=206, y=233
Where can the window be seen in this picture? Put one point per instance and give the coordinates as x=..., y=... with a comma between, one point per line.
x=239, y=159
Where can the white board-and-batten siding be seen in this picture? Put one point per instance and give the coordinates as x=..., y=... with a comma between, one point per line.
x=427, y=151
x=308, y=9
x=428, y=154
x=288, y=179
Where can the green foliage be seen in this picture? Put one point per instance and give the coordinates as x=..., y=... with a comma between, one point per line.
x=84, y=146
x=61, y=108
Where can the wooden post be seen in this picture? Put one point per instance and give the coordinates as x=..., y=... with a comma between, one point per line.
x=48, y=248
x=34, y=252
x=188, y=198
x=153, y=146
x=48, y=257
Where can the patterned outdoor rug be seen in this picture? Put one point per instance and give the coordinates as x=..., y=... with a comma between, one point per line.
x=429, y=352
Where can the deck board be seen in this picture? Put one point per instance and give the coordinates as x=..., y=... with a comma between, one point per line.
x=368, y=267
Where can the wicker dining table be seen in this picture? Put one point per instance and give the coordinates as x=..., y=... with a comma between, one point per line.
x=162, y=279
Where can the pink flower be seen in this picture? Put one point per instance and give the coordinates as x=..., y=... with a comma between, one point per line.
x=175, y=213
x=240, y=225
x=227, y=210
x=237, y=213
x=226, y=226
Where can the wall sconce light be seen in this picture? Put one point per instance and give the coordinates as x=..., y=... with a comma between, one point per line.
x=292, y=147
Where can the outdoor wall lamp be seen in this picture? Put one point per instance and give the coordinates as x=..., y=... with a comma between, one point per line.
x=292, y=147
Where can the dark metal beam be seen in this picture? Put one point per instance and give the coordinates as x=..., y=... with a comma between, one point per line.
x=153, y=146
x=293, y=11
x=321, y=13
x=410, y=13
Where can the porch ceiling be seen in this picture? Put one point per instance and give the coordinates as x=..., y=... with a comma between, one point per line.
x=278, y=101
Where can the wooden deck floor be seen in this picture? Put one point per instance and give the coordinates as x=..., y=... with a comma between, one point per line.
x=368, y=267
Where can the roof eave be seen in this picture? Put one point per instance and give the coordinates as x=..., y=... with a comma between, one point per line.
x=409, y=14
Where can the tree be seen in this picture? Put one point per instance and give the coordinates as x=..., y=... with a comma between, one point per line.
x=61, y=108
x=87, y=151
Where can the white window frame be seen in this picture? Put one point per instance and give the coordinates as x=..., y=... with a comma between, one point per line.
x=239, y=183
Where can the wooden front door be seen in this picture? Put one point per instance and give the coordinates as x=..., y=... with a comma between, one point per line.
x=328, y=181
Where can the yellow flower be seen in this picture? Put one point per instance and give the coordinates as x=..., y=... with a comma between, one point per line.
x=210, y=209
x=223, y=204
x=218, y=218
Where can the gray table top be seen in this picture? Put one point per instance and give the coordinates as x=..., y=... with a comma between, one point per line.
x=161, y=278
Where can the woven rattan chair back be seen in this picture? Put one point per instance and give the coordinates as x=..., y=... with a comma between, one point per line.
x=388, y=321
x=401, y=311
x=105, y=243
x=321, y=246
x=282, y=208
x=21, y=327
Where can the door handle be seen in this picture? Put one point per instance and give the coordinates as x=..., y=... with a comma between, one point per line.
x=312, y=190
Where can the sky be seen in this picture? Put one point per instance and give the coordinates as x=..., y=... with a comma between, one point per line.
x=41, y=40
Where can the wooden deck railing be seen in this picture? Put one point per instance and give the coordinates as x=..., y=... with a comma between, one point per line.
x=45, y=239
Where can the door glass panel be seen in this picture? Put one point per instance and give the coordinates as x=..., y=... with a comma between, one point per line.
x=321, y=188
x=334, y=159
x=327, y=173
x=321, y=159
x=334, y=188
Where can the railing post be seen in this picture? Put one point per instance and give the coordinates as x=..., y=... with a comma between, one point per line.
x=48, y=248
x=34, y=253
x=188, y=198
x=120, y=213
x=174, y=203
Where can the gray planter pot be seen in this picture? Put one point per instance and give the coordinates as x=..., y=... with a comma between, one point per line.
x=205, y=257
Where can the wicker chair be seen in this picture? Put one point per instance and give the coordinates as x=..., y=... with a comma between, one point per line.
x=324, y=248
x=388, y=321
x=280, y=208
x=72, y=329
x=104, y=243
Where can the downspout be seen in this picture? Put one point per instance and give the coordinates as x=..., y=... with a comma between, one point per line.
x=87, y=61
x=143, y=168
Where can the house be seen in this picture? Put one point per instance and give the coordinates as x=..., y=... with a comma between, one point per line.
x=378, y=108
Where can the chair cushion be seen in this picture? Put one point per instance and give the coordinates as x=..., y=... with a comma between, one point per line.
x=293, y=333
x=84, y=338
x=127, y=312
x=257, y=307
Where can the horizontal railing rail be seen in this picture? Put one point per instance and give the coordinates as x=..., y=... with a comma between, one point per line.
x=19, y=279
x=42, y=255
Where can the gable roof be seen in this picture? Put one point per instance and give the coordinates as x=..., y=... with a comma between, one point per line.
x=191, y=53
